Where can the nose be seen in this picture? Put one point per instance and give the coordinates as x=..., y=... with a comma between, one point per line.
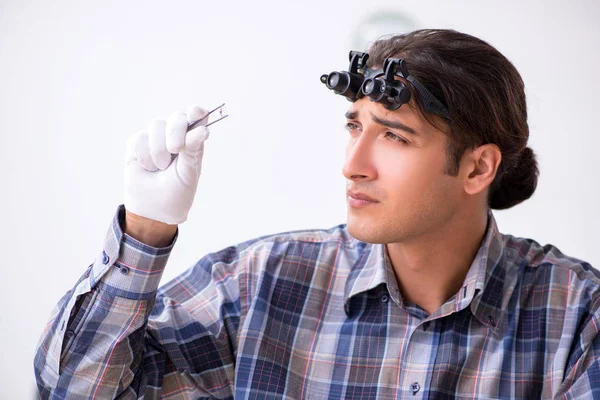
x=359, y=159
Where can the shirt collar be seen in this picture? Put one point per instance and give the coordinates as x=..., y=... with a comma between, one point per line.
x=482, y=288
x=369, y=270
x=488, y=293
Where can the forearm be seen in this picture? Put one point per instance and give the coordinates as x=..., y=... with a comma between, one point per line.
x=104, y=344
x=96, y=333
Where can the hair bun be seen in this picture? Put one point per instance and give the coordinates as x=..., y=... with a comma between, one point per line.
x=518, y=184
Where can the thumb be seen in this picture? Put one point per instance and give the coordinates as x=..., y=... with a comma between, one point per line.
x=194, y=139
x=189, y=161
x=197, y=136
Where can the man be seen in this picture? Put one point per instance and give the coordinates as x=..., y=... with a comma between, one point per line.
x=417, y=296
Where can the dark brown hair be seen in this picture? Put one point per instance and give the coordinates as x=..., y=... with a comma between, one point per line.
x=485, y=96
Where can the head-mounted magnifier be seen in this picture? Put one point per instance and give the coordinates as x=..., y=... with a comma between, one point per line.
x=380, y=85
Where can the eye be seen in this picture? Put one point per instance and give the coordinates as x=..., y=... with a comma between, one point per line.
x=349, y=126
x=396, y=138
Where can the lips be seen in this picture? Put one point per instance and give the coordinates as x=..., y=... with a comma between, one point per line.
x=361, y=196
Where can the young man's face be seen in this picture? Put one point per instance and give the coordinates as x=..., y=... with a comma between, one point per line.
x=398, y=159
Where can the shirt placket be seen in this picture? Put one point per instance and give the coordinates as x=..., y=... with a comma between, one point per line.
x=417, y=365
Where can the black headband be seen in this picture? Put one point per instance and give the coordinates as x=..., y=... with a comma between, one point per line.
x=360, y=81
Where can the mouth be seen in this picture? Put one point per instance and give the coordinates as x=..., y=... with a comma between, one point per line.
x=357, y=199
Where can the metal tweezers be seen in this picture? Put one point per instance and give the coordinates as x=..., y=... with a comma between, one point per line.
x=222, y=114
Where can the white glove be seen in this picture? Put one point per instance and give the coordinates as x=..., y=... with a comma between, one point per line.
x=157, y=185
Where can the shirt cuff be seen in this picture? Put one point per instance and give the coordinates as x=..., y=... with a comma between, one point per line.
x=127, y=267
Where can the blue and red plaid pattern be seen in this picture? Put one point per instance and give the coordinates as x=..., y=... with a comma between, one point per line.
x=316, y=314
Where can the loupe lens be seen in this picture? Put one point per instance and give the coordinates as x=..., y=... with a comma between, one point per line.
x=338, y=81
x=368, y=86
x=374, y=88
x=333, y=80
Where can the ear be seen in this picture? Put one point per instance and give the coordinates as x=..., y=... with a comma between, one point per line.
x=481, y=166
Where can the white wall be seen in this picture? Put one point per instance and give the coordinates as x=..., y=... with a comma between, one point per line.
x=76, y=79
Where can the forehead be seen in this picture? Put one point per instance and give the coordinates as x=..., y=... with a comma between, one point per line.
x=364, y=108
x=408, y=115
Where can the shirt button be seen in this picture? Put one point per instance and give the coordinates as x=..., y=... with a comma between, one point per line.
x=384, y=298
x=105, y=258
x=69, y=333
x=124, y=270
x=415, y=387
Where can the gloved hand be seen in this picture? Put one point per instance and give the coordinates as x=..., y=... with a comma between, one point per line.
x=159, y=185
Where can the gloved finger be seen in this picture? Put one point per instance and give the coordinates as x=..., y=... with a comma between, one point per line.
x=194, y=113
x=195, y=139
x=189, y=164
x=177, y=125
x=158, y=143
x=142, y=152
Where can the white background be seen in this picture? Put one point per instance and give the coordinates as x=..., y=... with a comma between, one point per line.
x=77, y=79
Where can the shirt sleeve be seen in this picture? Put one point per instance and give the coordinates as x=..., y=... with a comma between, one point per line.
x=115, y=336
x=582, y=377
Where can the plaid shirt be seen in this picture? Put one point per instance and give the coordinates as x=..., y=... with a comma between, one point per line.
x=317, y=314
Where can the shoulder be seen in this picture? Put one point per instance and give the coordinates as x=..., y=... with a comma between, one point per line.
x=545, y=271
x=338, y=234
x=296, y=250
x=285, y=262
x=294, y=241
x=536, y=258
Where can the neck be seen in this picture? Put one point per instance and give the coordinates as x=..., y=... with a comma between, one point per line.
x=432, y=267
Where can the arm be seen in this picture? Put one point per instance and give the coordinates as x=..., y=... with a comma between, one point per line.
x=582, y=372
x=147, y=231
x=100, y=342
x=112, y=337
x=86, y=348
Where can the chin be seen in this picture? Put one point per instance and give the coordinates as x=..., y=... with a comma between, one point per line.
x=365, y=231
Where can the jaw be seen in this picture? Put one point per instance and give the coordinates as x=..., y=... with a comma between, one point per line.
x=367, y=224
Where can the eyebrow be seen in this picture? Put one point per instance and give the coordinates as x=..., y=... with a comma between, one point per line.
x=384, y=122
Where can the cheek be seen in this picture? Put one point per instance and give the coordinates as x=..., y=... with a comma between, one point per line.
x=411, y=174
